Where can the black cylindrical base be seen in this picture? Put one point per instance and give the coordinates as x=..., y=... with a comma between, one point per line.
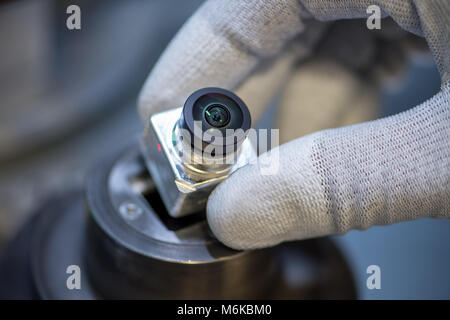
x=143, y=253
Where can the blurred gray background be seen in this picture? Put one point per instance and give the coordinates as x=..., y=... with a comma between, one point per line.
x=68, y=98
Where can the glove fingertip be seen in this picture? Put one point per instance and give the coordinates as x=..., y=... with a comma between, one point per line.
x=233, y=214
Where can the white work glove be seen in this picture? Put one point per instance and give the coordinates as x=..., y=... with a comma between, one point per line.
x=329, y=182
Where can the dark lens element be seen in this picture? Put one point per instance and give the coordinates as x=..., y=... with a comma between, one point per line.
x=217, y=115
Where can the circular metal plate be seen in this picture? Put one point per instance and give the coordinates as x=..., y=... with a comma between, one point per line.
x=309, y=269
x=125, y=249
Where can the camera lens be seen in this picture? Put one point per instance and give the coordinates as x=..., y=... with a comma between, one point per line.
x=212, y=112
x=217, y=115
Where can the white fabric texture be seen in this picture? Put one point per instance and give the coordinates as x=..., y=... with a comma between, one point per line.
x=332, y=181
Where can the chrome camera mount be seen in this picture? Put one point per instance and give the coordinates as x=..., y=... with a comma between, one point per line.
x=189, y=150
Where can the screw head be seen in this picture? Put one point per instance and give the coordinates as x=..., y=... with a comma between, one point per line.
x=130, y=210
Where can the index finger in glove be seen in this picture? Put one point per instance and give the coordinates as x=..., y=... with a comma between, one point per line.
x=219, y=46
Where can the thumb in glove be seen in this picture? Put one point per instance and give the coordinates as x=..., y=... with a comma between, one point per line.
x=332, y=181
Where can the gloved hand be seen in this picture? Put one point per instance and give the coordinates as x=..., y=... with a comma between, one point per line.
x=329, y=182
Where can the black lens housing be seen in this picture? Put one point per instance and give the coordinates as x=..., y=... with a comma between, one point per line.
x=218, y=110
